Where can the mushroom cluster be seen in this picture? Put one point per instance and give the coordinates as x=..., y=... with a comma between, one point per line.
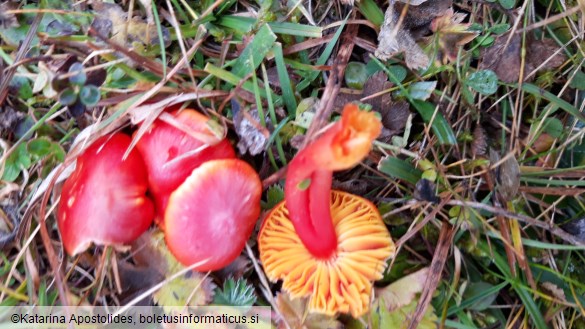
x=203, y=195
x=328, y=245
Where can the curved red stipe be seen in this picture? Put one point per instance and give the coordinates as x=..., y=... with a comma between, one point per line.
x=171, y=154
x=328, y=245
x=342, y=146
x=212, y=214
x=104, y=201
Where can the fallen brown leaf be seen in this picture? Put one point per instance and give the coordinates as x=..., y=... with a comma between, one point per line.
x=8, y=20
x=403, y=291
x=111, y=20
x=153, y=262
x=253, y=137
x=393, y=114
x=505, y=61
x=451, y=34
x=296, y=315
x=399, y=32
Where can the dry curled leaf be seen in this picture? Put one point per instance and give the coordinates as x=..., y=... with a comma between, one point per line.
x=451, y=34
x=399, y=33
x=403, y=291
x=153, y=263
x=8, y=20
x=393, y=114
x=9, y=118
x=9, y=221
x=111, y=21
x=425, y=190
x=248, y=128
x=235, y=269
x=296, y=315
x=479, y=144
x=353, y=186
x=557, y=292
x=576, y=227
x=507, y=175
x=504, y=58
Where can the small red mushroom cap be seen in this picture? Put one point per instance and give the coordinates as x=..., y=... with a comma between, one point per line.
x=171, y=154
x=104, y=201
x=212, y=214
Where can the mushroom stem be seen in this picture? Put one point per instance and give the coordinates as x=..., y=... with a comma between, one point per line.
x=309, y=177
x=309, y=207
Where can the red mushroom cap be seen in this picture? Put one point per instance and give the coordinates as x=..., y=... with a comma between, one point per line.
x=171, y=154
x=212, y=214
x=104, y=201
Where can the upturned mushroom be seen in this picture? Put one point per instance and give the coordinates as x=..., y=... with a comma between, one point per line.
x=171, y=154
x=104, y=200
x=212, y=214
x=328, y=245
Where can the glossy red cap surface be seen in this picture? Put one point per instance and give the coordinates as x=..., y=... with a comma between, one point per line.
x=213, y=213
x=171, y=154
x=104, y=201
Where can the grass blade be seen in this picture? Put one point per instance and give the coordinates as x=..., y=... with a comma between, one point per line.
x=255, y=52
x=245, y=24
x=287, y=92
x=371, y=11
x=564, y=105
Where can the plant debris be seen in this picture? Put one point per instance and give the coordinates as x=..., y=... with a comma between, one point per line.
x=504, y=57
x=406, y=23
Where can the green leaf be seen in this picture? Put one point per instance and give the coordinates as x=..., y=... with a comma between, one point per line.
x=399, y=169
x=397, y=73
x=304, y=184
x=79, y=77
x=507, y=4
x=39, y=147
x=422, y=90
x=484, y=82
x=18, y=160
x=235, y=293
x=23, y=86
x=255, y=52
x=355, y=75
x=67, y=97
x=578, y=81
x=553, y=127
x=483, y=293
x=440, y=126
x=89, y=95
x=274, y=195
x=499, y=28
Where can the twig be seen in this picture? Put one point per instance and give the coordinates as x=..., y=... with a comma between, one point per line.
x=501, y=212
x=437, y=266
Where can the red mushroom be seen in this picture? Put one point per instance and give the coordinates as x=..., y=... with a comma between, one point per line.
x=212, y=214
x=104, y=201
x=171, y=154
x=325, y=244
